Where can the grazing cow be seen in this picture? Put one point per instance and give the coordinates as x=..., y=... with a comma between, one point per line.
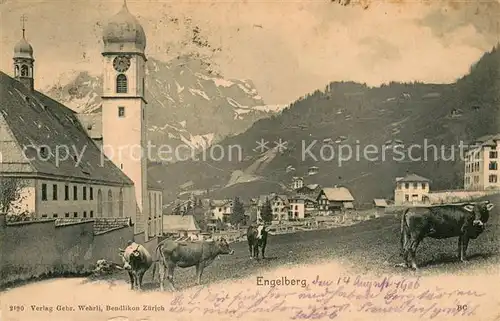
x=136, y=261
x=170, y=254
x=256, y=237
x=465, y=221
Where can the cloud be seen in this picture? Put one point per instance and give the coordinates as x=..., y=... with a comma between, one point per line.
x=483, y=16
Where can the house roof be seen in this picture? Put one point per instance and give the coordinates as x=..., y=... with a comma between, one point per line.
x=70, y=220
x=380, y=202
x=220, y=203
x=37, y=120
x=412, y=178
x=309, y=187
x=270, y=197
x=175, y=223
x=301, y=197
x=338, y=194
x=487, y=140
x=101, y=224
x=283, y=197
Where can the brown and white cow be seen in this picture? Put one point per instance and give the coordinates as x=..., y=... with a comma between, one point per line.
x=465, y=221
x=136, y=261
x=170, y=254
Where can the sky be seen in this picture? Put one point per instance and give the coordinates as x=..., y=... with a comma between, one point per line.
x=287, y=48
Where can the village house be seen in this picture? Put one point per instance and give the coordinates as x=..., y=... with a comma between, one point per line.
x=334, y=199
x=411, y=189
x=279, y=206
x=300, y=207
x=310, y=190
x=54, y=154
x=481, y=164
x=380, y=205
x=180, y=226
x=221, y=209
x=297, y=182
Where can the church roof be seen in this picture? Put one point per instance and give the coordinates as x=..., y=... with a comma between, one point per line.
x=34, y=120
x=92, y=123
x=124, y=28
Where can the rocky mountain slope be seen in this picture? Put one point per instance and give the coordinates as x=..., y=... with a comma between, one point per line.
x=189, y=103
x=394, y=127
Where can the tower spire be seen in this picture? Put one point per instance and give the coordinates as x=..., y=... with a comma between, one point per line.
x=23, y=58
x=24, y=18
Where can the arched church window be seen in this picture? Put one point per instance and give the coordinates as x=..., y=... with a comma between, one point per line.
x=121, y=84
x=24, y=71
x=99, y=203
x=120, y=204
x=110, y=204
x=16, y=71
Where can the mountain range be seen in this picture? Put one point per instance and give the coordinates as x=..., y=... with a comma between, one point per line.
x=189, y=102
x=347, y=115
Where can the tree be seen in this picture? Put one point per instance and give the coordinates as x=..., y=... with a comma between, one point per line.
x=238, y=214
x=189, y=208
x=266, y=211
x=11, y=195
x=200, y=217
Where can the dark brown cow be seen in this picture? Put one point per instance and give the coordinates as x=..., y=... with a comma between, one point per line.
x=465, y=221
x=170, y=254
x=257, y=237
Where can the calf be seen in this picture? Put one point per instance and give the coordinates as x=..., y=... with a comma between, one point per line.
x=171, y=254
x=256, y=237
x=465, y=221
x=136, y=261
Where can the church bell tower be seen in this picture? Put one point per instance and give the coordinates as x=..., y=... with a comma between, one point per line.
x=123, y=104
x=24, y=63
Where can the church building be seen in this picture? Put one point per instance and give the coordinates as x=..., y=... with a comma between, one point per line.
x=66, y=164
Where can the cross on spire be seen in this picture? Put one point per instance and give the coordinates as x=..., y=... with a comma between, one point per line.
x=24, y=18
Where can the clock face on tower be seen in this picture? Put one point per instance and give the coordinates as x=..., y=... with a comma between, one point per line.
x=121, y=63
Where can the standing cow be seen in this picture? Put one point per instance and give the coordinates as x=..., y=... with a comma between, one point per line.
x=465, y=221
x=256, y=237
x=136, y=261
x=171, y=254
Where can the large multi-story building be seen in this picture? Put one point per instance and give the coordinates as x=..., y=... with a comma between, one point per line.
x=481, y=164
x=56, y=157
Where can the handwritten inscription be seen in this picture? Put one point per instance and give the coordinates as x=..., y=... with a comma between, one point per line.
x=328, y=299
x=320, y=298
